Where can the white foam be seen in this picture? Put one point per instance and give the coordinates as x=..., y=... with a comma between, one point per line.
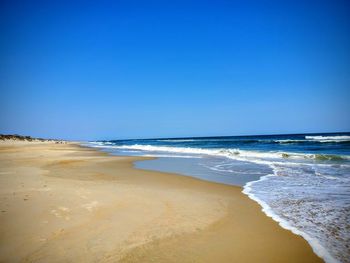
x=176, y=140
x=139, y=151
x=288, y=141
x=242, y=155
x=316, y=246
x=342, y=138
x=170, y=156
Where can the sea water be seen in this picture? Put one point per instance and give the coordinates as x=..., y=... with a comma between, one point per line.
x=301, y=181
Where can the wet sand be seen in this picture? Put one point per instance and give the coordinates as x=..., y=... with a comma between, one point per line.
x=67, y=203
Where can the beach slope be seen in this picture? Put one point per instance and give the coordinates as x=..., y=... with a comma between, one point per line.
x=67, y=203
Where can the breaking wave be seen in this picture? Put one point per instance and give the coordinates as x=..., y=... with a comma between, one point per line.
x=231, y=153
x=342, y=138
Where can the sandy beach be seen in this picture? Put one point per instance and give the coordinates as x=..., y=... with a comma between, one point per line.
x=67, y=203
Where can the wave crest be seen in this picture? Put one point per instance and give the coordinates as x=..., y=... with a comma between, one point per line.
x=340, y=138
x=245, y=155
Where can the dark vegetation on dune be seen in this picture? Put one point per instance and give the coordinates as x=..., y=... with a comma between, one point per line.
x=17, y=137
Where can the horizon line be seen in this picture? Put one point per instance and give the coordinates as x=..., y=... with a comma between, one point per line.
x=222, y=136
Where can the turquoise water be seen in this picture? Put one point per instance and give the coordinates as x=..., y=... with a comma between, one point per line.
x=302, y=181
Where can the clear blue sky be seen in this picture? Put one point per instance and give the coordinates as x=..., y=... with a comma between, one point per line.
x=129, y=69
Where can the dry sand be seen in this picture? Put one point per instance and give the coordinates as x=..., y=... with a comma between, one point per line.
x=66, y=203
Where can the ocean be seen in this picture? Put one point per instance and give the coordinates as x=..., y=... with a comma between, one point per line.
x=302, y=181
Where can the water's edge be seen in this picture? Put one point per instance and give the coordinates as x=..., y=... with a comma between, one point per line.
x=317, y=248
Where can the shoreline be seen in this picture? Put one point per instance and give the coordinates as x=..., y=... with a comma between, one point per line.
x=91, y=194
x=317, y=248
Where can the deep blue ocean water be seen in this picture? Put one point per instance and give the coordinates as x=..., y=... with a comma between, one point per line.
x=302, y=181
